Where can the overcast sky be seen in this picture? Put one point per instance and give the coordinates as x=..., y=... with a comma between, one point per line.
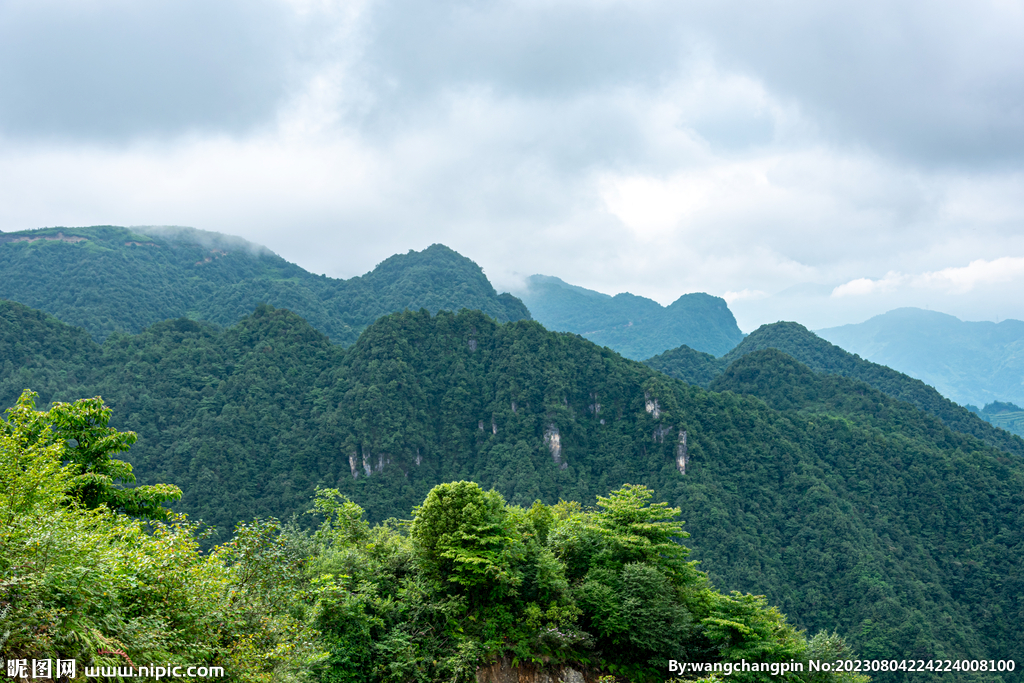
x=808, y=161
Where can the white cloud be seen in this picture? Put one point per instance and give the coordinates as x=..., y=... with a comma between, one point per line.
x=731, y=147
x=976, y=274
x=864, y=286
x=746, y=294
x=953, y=280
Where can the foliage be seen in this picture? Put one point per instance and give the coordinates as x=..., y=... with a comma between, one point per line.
x=689, y=365
x=632, y=325
x=401, y=607
x=96, y=586
x=81, y=428
x=462, y=535
x=850, y=510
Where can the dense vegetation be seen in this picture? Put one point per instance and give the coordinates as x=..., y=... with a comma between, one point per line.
x=849, y=509
x=636, y=327
x=968, y=362
x=821, y=356
x=108, y=279
x=82, y=581
x=469, y=579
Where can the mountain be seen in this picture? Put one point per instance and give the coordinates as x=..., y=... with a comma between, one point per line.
x=1006, y=416
x=636, y=327
x=850, y=510
x=109, y=279
x=821, y=356
x=968, y=362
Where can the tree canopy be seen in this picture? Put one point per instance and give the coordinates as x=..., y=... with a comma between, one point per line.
x=850, y=510
x=80, y=433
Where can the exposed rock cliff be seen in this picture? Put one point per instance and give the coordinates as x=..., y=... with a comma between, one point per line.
x=502, y=671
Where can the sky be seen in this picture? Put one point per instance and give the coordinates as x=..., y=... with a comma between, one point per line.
x=808, y=161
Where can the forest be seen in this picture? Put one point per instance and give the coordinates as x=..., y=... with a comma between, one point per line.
x=852, y=512
x=94, y=573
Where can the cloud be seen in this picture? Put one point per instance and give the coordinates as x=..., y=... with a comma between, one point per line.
x=931, y=82
x=112, y=70
x=656, y=147
x=863, y=286
x=953, y=280
x=745, y=294
x=977, y=274
x=934, y=83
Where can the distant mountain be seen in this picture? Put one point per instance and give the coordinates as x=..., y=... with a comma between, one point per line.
x=636, y=327
x=109, y=279
x=821, y=356
x=1006, y=416
x=849, y=509
x=968, y=362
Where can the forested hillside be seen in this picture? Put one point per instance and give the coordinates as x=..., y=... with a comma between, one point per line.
x=821, y=356
x=467, y=585
x=968, y=362
x=109, y=279
x=850, y=510
x=634, y=326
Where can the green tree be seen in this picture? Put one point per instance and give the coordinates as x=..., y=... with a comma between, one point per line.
x=88, y=443
x=463, y=536
x=102, y=588
x=637, y=530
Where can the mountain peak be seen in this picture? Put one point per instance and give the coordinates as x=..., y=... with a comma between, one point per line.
x=635, y=326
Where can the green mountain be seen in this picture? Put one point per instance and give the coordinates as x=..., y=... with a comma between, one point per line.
x=968, y=362
x=1006, y=416
x=851, y=510
x=636, y=327
x=108, y=279
x=821, y=356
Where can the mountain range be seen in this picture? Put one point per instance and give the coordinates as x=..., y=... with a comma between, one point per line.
x=851, y=510
x=634, y=326
x=818, y=354
x=854, y=497
x=974, y=363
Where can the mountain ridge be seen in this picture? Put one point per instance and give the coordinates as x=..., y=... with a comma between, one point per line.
x=821, y=355
x=968, y=362
x=108, y=279
x=633, y=325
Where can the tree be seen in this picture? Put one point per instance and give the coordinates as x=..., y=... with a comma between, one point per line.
x=636, y=530
x=80, y=428
x=94, y=585
x=462, y=535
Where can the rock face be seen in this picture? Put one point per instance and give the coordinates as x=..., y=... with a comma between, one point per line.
x=502, y=671
x=554, y=441
x=682, y=453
